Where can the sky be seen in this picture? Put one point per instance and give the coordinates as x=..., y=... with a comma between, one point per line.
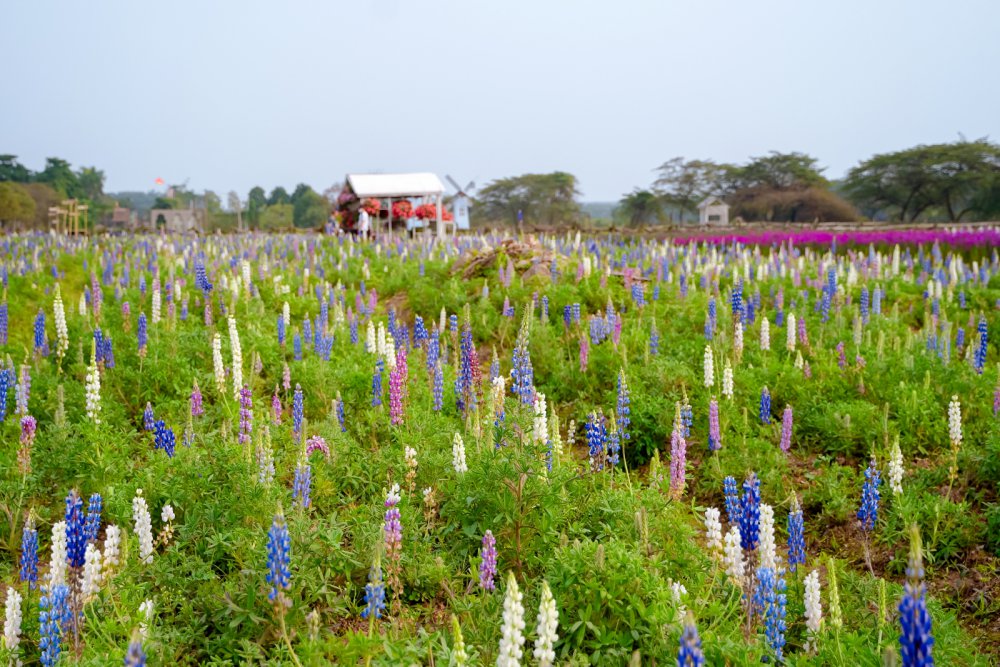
x=226, y=95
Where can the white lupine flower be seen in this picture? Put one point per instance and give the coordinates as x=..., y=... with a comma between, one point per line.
x=112, y=547
x=713, y=530
x=955, y=421
x=380, y=341
x=178, y=294
x=458, y=454
x=814, y=609
x=390, y=354
x=678, y=592
x=93, y=386
x=62, y=332
x=541, y=430
x=548, y=624
x=767, y=551
x=12, y=620
x=218, y=367
x=738, y=339
x=146, y=614
x=167, y=514
x=82, y=307
x=896, y=469
x=733, y=558
x=57, y=560
x=234, y=343
x=727, y=381
x=286, y=314
x=143, y=527
x=765, y=334
x=156, y=304
x=790, y=332
x=392, y=498
x=246, y=275
x=512, y=630
x=709, y=367
x=370, y=346
x=90, y=579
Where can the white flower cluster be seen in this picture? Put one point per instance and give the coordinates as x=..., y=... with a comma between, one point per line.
x=541, y=430
x=12, y=620
x=370, y=347
x=62, y=332
x=143, y=527
x=57, y=564
x=738, y=339
x=896, y=469
x=709, y=367
x=217, y=365
x=955, y=421
x=765, y=334
x=767, y=551
x=733, y=557
x=548, y=623
x=90, y=579
x=512, y=630
x=112, y=547
x=727, y=381
x=234, y=344
x=93, y=391
x=156, y=303
x=458, y=454
x=790, y=332
x=713, y=530
x=392, y=498
x=146, y=611
x=814, y=608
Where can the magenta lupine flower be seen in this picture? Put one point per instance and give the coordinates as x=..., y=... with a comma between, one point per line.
x=29, y=426
x=786, y=429
x=246, y=415
x=96, y=296
x=584, y=353
x=488, y=565
x=317, y=443
x=807, y=370
x=841, y=356
x=803, y=336
x=286, y=378
x=996, y=401
x=714, y=433
x=678, y=462
x=397, y=386
x=127, y=315
x=197, y=409
x=616, y=331
x=276, y=406
x=208, y=311
x=392, y=531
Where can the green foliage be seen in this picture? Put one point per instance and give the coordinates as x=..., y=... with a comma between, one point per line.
x=546, y=199
x=16, y=205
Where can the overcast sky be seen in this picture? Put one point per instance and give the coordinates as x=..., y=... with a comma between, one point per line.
x=235, y=94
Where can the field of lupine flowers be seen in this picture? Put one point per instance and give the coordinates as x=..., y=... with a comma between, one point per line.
x=307, y=450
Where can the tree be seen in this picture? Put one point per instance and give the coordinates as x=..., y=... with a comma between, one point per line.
x=684, y=184
x=310, y=209
x=12, y=170
x=277, y=217
x=279, y=196
x=90, y=183
x=256, y=202
x=300, y=190
x=236, y=206
x=640, y=207
x=60, y=176
x=775, y=171
x=546, y=198
x=16, y=205
x=950, y=180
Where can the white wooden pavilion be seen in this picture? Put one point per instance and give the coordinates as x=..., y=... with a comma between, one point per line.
x=424, y=186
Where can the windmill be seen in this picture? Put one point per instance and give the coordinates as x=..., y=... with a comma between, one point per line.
x=461, y=202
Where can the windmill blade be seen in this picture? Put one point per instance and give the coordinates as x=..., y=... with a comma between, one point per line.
x=470, y=187
x=453, y=183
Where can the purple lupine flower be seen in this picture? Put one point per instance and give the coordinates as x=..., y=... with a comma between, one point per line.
x=803, y=335
x=340, y=413
x=29, y=426
x=841, y=356
x=654, y=340
x=246, y=415
x=438, y=386
x=142, y=335
x=163, y=438
x=23, y=390
x=275, y=406
x=584, y=353
x=297, y=346
x=286, y=378
x=317, y=443
x=714, y=433
x=488, y=564
x=148, y=418
x=678, y=461
x=302, y=485
x=76, y=541
x=298, y=410
x=197, y=409
x=397, y=388
x=786, y=429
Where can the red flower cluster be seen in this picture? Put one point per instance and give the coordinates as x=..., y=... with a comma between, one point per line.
x=372, y=206
x=402, y=210
x=429, y=212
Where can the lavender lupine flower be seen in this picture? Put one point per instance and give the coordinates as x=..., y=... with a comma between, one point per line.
x=298, y=410
x=796, y=537
x=678, y=460
x=868, y=512
x=584, y=353
x=143, y=337
x=714, y=433
x=841, y=356
x=488, y=564
x=392, y=533
x=750, y=513
x=281, y=330
x=29, y=554
x=654, y=340
x=297, y=346
x=279, y=556
x=915, y=640
x=765, y=406
x=623, y=410
x=163, y=438
x=275, y=406
x=29, y=426
x=246, y=415
x=197, y=409
x=22, y=392
x=302, y=484
x=92, y=523
x=465, y=395
x=76, y=541
x=286, y=378
x=786, y=429
x=397, y=388
x=148, y=418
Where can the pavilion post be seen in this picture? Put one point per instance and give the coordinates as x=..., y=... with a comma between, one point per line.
x=440, y=219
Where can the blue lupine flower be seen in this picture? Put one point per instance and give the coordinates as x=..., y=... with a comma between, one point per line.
x=54, y=606
x=915, y=640
x=29, y=555
x=576, y=313
x=494, y=368
x=732, y=494
x=92, y=524
x=567, y=316
x=877, y=301
x=340, y=413
x=438, y=386
x=623, y=410
x=354, y=330
x=750, y=513
x=980, y=356
x=690, y=654
x=597, y=437
x=374, y=593
x=687, y=419
x=522, y=373
x=377, y=384
x=545, y=309
x=466, y=394
x=433, y=348
x=200, y=277
x=736, y=300
x=136, y=657
x=419, y=331
x=76, y=541
x=864, y=305
x=40, y=332
x=107, y=352
x=4, y=386
x=141, y=334
x=656, y=292
x=765, y=406
x=302, y=484
x=279, y=546
x=307, y=332
x=796, y=538
x=297, y=347
x=281, y=330
x=868, y=512
x=961, y=299
x=148, y=418
x=654, y=340
x=831, y=281
x=771, y=600
x=824, y=305
x=4, y=322
x=297, y=410
x=163, y=438
x=960, y=338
